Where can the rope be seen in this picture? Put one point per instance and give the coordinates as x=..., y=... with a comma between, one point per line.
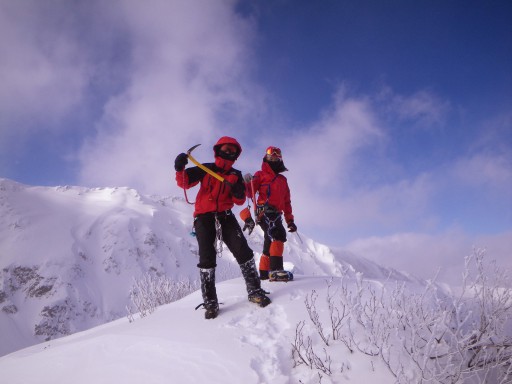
x=185, y=190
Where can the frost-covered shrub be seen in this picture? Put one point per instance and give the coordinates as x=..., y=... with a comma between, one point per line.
x=151, y=291
x=421, y=337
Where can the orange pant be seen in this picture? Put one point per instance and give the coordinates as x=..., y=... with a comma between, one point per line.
x=275, y=260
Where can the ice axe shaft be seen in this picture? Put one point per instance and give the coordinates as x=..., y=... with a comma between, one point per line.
x=207, y=170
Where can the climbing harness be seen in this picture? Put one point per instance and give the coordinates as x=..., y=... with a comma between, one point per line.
x=271, y=216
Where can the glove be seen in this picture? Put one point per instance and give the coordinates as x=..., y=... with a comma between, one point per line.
x=249, y=224
x=291, y=226
x=238, y=190
x=247, y=177
x=180, y=162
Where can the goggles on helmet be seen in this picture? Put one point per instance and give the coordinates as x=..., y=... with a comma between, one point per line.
x=274, y=151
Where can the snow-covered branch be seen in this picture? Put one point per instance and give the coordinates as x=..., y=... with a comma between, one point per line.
x=151, y=291
x=427, y=336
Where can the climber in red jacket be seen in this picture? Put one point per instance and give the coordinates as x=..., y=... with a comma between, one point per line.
x=272, y=203
x=213, y=219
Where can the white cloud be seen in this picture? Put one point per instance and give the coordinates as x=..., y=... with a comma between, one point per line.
x=381, y=209
x=483, y=169
x=142, y=81
x=325, y=153
x=324, y=161
x=42, y=70
x=488, y=160
x=426, y=254
x=189, y=64
x=338, y=195
x=423, y=108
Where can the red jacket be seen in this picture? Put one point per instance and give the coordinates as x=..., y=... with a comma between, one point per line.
x=272, y=189
x=213, y=196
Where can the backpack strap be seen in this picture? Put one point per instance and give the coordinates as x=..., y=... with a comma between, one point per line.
x=268, y=188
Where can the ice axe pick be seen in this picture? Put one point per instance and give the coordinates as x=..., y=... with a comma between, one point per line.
x=207, y=170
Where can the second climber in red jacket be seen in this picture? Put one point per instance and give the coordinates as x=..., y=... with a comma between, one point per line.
x=273, y=202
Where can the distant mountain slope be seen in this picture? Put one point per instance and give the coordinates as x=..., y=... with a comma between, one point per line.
x=69, y=256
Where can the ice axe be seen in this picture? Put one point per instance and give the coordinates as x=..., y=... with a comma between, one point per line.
x=206, y=169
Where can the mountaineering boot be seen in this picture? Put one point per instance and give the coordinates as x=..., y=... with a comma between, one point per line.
x=280, y=275
x=253, y=284
x=259, y=297
x=277, y=272
x=210, y=302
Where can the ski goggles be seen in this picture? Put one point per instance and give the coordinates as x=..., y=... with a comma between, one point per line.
x=229, y=148
x=227, y=151
x=274, y=151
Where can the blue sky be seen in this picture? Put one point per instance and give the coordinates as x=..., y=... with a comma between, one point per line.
x=394, y=116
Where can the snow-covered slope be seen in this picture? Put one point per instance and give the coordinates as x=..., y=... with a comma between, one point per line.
x=69, y=256
x=245, y=344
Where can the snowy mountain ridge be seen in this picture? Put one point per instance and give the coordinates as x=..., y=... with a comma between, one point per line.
x=69, y=256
